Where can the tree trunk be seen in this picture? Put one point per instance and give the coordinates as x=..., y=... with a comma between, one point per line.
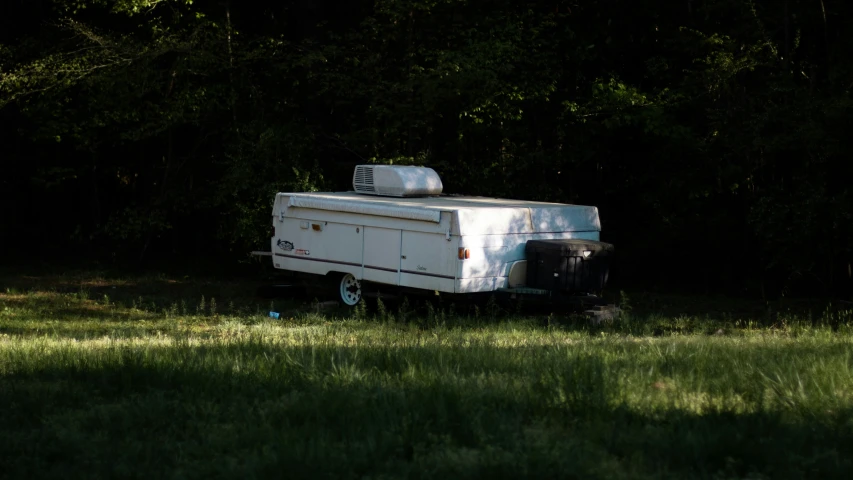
x=825, y=34
x=230, y=60
x=787, y=51
x=411, y=53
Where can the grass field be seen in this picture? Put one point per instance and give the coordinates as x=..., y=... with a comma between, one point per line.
x=169, y=378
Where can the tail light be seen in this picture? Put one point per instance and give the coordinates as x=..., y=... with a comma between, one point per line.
x=464, y=253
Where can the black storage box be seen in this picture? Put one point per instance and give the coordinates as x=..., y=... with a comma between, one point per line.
x=568, y=266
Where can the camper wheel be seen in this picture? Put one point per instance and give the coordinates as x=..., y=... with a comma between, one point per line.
x=349, y=289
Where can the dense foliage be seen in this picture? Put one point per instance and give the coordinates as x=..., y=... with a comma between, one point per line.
x=713, y=134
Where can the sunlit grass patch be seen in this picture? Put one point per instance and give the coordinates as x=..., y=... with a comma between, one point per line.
x=163, y=385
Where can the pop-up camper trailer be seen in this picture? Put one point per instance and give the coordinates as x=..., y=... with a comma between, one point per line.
x=397, y=231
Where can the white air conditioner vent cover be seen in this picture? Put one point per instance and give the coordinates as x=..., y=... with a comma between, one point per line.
x=396, y=181
x=363, y=179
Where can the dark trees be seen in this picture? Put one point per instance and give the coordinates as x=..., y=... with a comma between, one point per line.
x=713, y=134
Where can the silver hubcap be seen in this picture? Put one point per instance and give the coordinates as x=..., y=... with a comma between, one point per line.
x=350, y=289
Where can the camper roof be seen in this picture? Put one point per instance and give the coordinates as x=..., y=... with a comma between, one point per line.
x=478, y=213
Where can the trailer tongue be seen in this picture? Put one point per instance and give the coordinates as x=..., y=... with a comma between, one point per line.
x=397, y=231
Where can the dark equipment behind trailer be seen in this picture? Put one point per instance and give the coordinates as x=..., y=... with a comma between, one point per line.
x=568, y=265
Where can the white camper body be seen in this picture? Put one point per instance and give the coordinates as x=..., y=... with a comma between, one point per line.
x=453, y=244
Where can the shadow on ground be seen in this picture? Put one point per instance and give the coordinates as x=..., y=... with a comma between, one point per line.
x=202, y=417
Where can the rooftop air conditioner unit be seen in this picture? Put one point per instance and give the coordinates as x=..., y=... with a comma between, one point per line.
x=396, y=181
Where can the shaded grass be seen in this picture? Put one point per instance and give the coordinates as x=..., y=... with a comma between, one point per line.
x=146, y=387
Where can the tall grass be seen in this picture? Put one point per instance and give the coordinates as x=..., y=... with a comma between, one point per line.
x=99, y=388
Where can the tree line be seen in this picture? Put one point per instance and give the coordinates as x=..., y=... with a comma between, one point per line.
x=713, y=135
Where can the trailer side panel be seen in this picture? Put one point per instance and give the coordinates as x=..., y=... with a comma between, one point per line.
x=382, y=255
x=318, y=247
x=429, y=261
